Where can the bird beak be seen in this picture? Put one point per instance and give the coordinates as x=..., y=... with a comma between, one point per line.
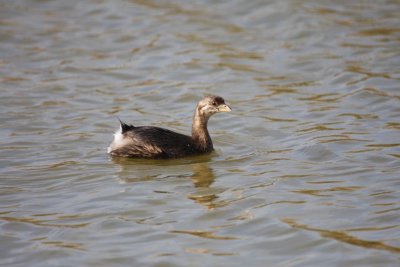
x=224, y=108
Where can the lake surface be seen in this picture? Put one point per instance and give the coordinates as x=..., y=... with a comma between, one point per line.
x=306, y=167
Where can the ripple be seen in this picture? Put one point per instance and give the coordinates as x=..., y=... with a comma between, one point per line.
x=316, y=152
x=62, y=244
x=324, y=192
x=203, y=234
x=341, y=236
x=378, y=31
x=42, y=222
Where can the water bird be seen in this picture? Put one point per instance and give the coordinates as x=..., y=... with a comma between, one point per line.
x=158, y=143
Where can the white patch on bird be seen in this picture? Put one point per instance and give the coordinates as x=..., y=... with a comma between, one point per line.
x=203, y=109
x=118, y=141
x=207, y=111
x=118, y=137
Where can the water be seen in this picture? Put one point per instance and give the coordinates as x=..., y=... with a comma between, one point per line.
x=306, y=168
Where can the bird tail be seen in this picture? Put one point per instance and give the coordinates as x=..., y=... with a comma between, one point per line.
x=125, y=127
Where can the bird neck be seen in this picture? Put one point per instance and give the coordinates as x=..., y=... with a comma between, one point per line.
x=200, y=134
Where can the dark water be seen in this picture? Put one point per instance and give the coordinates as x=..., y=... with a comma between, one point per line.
x=306, y=169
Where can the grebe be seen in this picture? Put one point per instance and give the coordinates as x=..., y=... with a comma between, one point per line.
x=158, y=143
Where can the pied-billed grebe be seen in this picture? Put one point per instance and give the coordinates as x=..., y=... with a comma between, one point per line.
x=155, y=142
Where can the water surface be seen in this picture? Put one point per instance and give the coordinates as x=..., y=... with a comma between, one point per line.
x=306, y=168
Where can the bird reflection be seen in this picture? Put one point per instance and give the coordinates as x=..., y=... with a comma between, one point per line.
x=202, y=178
x=203, y=175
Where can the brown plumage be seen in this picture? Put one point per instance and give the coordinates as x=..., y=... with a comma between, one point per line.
x=156, y=142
